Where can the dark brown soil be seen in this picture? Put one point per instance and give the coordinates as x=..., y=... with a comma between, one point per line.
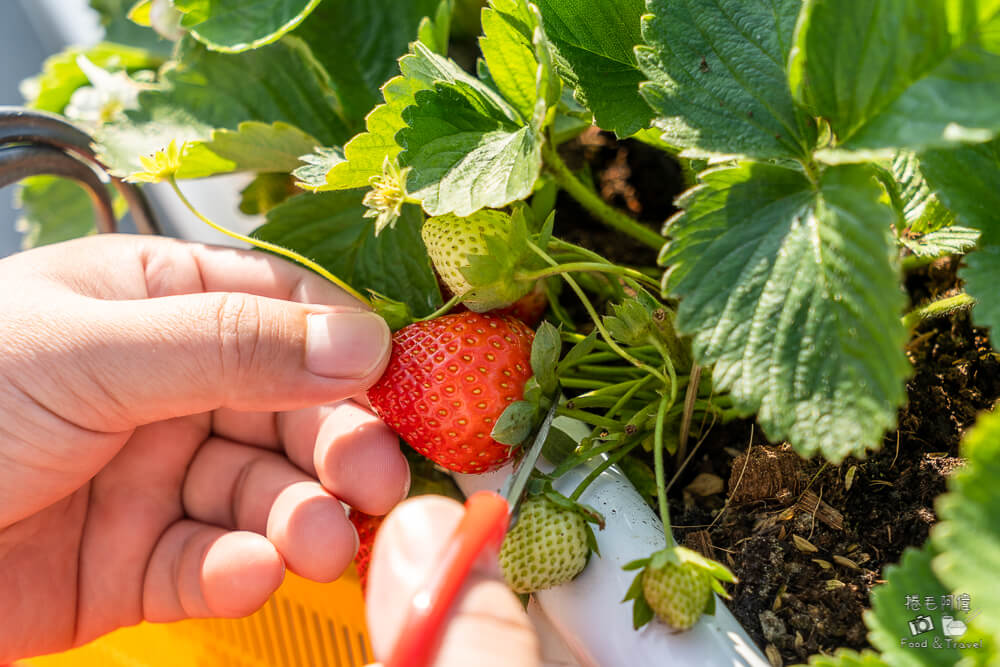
x=629, y=175
x=807, y=539
x=806, y=567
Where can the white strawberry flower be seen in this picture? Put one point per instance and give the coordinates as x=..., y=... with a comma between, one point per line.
x=107, y=97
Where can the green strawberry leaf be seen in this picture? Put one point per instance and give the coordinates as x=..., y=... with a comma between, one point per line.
x=968, y=535
x=889, y=618
x=879, y=92
x=477, y=144
x=61, y=76
x=205, y=91
x=119, y=29
x=52, y=210
x=436, y=32
x=968, y=181
x=764, y=260
x=515, y=423
x=253, y=146
x=315, y=166
x=365, y=154
x=466, y=150
x=506, y=42
x=847, y=658
x=233, y=26
x=265, y=192
x=359, y=43
x=919, y=206
x=717, y=77
x=952, y=240
x=329, y=228
x=545, y=357
x=599, y=63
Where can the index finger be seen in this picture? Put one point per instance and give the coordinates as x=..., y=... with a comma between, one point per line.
x=118, y=266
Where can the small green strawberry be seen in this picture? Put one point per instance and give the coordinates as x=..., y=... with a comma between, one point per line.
x=480, y=257
x=676, y=585
x=677, y=593
x=548, y=546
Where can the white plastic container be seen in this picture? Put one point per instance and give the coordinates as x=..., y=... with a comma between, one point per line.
x=588, y=614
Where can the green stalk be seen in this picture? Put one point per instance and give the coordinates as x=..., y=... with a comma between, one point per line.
x=914, y=262
x=596, y=472
x=627, y=396
x=443, y=310
x=593, y=267
x=613, y=218
x=589, y=307
x=661, y=490
x=266, y=245
x=590, y=418
x=938, y=308
x=582, y=457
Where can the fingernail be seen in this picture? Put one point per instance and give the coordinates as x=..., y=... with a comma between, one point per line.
x=345, y=345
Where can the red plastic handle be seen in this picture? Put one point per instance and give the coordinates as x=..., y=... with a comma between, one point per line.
x=483, y=526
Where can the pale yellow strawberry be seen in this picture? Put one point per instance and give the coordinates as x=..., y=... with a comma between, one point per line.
x=677, y=593
x=547, y=547
x=451, y=241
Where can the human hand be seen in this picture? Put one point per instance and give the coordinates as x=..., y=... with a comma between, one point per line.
x=487, y=625
x=162, y=455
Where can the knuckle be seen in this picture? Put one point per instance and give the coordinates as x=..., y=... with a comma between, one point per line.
x=240, y=336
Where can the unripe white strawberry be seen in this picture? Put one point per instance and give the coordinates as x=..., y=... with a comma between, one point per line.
x=478, y=256
x=547, y=547
x=678, y=594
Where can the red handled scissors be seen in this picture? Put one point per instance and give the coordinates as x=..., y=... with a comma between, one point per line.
x=488, y=516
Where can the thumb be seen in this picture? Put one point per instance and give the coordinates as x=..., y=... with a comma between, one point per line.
x=179, y=355
x=486, y=627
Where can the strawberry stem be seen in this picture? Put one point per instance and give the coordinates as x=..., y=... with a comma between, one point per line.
x=597, y=318
x=627, y=396
x=593, y=267
x=589, y=199
x=443, y=310
x=939, y=308
x=661, y=491
x=590, y=418
x=267, y=245
x=604, y=465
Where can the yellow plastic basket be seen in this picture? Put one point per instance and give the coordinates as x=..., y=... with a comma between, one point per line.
x=303, y=624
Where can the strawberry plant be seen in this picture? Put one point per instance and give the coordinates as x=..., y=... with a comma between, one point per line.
x=418, y=153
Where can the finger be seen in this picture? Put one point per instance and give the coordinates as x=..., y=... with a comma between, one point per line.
x=142, y=267
x=201, y=571
x=350, y=450
x=238, y=487
x=485, y=627
x=353, y=453
x=154, y=359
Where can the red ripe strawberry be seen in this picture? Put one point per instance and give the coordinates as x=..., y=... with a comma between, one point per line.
x=447, y=383
x=366, y=525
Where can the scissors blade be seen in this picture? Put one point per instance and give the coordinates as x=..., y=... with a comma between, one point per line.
x=516, y=484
